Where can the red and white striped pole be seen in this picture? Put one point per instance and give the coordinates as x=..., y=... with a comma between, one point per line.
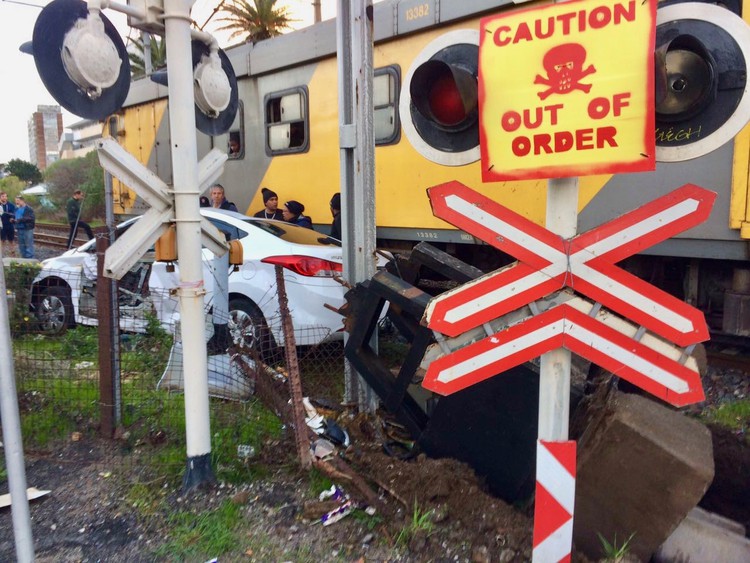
x=554, y=501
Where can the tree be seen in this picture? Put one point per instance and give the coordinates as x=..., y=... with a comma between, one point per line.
x=12, y=186
x=24, y=171
x=84, y=173
x=158, y=56
x=256, y=20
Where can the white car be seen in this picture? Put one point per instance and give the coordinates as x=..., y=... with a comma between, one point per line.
x=64, y=291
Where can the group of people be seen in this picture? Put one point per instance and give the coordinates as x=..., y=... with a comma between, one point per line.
x=291, y=212
x=18, y=222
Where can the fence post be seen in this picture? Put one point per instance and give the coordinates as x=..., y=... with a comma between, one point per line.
x=108, y=346
x=292, y=367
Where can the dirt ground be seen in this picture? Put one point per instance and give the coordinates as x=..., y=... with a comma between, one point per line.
x=87, y=516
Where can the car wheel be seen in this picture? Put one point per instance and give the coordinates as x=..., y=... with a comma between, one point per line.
x=248, y=328
x=55, y=310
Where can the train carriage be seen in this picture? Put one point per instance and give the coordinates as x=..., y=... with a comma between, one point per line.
x=288, y=130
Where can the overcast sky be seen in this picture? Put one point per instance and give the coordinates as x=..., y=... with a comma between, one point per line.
x=21, y=89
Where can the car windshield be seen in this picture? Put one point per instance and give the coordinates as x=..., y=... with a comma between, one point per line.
x=293, y=233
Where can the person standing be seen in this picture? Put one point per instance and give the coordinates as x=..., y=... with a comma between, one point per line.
x=336, y=212
x=7, y=232
x=73, y=208
x=219, y=201
x=25, y=222
x=271, y=210
x=293, y=214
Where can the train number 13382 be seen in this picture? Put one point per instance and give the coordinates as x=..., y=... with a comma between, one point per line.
x=420, y=11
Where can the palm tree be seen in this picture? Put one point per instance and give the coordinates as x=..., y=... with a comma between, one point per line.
x=255, y=20
x=158, y=56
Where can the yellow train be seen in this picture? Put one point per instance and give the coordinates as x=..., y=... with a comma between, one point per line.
x=288, y=130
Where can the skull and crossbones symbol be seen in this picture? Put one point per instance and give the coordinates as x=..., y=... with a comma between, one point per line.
x=564, y=66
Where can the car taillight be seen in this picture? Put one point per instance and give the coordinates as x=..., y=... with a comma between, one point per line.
x=307, y=265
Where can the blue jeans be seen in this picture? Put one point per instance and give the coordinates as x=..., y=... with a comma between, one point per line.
x=26, y=242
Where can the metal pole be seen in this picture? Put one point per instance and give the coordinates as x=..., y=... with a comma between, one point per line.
x=354, y=32
x=221, y=339
x=554, y=376
x=109, y=218
x=187, y=214
x=316, y=11
x=12, y=436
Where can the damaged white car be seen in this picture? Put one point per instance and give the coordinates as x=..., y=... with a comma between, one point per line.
x=64, y=292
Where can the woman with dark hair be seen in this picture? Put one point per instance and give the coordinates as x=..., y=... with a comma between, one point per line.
x=293, y=214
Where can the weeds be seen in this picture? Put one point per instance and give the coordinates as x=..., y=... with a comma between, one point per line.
x=421, y=523
x=612, y=551
x=198, y=537
x=81, y=342
x=319, y=482
x=734, y=415
x=18, y=277
x=369, y=521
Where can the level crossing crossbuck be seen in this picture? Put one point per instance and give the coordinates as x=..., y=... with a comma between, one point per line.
x=586, y=263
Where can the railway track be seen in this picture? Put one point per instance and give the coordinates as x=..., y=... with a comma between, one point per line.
x=55, y=235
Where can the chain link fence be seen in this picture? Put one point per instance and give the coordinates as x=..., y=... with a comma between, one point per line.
x=69, y=386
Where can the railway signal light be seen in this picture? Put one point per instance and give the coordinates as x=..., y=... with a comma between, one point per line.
x=701, y=59
x=81, y=59
x=214, y=87
x=445, y=93
x=439, y=101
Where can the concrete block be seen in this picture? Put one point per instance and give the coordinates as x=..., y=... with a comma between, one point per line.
x=704, y=536
x=642, y=467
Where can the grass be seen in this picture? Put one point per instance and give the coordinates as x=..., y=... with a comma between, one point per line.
x=319, y=482
x=612, y=551
x=734, y=415
x=198, y=537
x=420, y=523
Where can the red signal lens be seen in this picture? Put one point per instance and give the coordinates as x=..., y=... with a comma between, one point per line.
x=445, y=101
x=307, y=265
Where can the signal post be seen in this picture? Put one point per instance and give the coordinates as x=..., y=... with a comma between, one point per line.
x=83, y=63
x=188, y=220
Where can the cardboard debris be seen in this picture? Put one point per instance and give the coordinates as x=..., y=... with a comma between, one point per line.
x=31, y=493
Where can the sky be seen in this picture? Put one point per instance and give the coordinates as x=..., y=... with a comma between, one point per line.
x=21, y=89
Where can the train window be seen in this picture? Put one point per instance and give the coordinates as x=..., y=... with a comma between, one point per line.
x=287, y=122
x=385, y=85
x=234, y=142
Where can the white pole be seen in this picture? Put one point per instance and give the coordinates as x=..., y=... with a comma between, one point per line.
x=187, y=214
x=554, y=367
x=554, y=376
x=12, y=441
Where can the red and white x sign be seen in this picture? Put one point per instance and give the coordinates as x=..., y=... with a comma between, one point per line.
x=586, y=263
x=564, y=326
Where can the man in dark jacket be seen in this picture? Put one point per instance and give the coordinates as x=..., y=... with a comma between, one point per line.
x=8, y=210
x=271, y=209
x=25, y=221
x=219, y=201
x=336, y=212
x=73, y=208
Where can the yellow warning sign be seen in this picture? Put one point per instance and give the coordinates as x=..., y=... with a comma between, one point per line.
x=567, y=90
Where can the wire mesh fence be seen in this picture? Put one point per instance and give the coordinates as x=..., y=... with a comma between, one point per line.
x=57, y=321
